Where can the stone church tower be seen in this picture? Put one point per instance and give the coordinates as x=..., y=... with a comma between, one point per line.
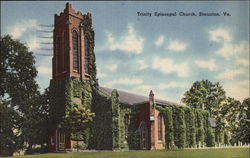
x=71, y=45
x=73, y=70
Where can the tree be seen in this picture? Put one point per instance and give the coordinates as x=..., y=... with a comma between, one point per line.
x=10, y=140
x=237, y=118
x=208, y=96
x=17, y=73
x=35, y=124
x=244, y=122
x=18, y=92
x=205, y=95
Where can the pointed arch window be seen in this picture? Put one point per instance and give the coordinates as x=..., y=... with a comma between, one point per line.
x=57, y=43
x=126, y=124
x=160, y=118
x=86, y=54
x=65, y=50
x=143, y=130
x=75, y=51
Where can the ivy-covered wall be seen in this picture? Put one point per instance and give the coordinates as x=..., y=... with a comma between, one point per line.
x=62, y=94
x=116, y=120
x=90, y=35
x=108, y=128
x=186, y=127
x=190, y=127
x=101, y=128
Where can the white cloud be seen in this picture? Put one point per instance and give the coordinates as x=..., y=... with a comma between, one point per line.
x=229, y=50
x=44, y=70
x=129, y=42
x=167, y=66
x=243, y=61
x=144, y=88
x=160, y=40
x=230, y=74
x=173, y=84
x=142, y=64
x=101, y=75
x=244, y=83
x=124, y=81
x=220, y=35
x=159, y=90
x=112, y=67
x=177, y=46
x=21, y=27
x=211, y=65
x=237, y=90
x=33, y=43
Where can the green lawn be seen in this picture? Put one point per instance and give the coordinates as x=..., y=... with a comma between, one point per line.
x=188, y=153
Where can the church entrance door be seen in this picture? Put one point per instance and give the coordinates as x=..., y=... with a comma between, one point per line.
x=61, y=136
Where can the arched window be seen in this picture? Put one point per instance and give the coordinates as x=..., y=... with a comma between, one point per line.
x=57, y=54
x=65, y=50
x=126, y=123
x=143, y=130
x=160, y=127
x=86, y=57
x=75, y=51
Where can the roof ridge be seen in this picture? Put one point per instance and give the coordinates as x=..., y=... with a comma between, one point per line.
x=132, y=98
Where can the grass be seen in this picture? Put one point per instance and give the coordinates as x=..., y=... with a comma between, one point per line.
x=188, y=153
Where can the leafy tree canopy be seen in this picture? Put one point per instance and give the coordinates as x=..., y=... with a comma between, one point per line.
x=205, y=95
x=237, y=119
x=17, y=82
x=22, y=107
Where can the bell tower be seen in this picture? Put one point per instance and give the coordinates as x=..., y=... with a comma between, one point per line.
x=73, y=72
x=71, y=45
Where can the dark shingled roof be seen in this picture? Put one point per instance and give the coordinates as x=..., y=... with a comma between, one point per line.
x=133, y=99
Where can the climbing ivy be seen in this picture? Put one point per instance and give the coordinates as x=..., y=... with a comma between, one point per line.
x=179, y=127
x=133, y=136
x=199, y=127
x=219, y=131
x=108, y=128
x=169, y=129
x=187, y=127
x=115, y=119
x=61, y=100
x=90, y=34
x=210, y=137
x=190, y=127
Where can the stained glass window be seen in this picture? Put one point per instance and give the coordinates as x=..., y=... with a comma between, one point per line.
x=75, y=51
x=65, y=50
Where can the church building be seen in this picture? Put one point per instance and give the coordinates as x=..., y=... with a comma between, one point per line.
x=122, y=120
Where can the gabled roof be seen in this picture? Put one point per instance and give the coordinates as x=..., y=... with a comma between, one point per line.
x=133, y=99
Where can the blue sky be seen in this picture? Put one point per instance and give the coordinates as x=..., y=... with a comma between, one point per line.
x=139, y=53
